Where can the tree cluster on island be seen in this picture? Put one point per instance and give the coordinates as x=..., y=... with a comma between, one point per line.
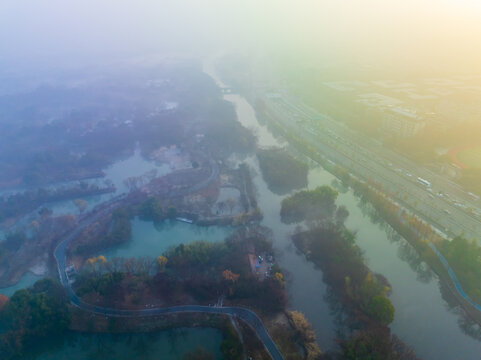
x=26, y=247
x=199, y=272
x=33, y=319
x=281, y=171
x=317, y=207
x=18, y=204
x=116, y=229
x=331, y=246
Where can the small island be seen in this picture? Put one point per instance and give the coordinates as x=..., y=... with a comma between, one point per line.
x=281, y=171
x=330, y=245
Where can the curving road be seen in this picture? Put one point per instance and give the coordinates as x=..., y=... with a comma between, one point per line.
x=245, y=314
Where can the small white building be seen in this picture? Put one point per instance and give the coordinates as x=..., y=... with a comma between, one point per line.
x=401, y=122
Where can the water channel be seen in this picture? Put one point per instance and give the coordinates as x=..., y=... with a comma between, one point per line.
x=423, y=319
x=134, y=165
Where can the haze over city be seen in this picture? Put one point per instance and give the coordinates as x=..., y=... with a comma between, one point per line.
x=240, y=179
x=428, y=35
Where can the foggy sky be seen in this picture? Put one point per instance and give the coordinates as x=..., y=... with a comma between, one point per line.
x=420, y=34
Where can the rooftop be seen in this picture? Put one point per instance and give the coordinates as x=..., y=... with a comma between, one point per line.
x=405, y=113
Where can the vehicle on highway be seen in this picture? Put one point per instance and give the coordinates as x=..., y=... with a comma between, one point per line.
x=475, y=197
x=424, y=182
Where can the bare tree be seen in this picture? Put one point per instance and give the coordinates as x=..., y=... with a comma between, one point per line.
x=231, y=203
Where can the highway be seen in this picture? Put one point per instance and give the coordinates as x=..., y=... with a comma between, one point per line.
x=367, y=159
x=245, y=314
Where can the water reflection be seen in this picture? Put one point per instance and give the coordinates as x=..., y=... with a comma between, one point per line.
x=339, y=186
x=27, y=280
x=421, y=318
x=408, y=254
x=170, y=344
x=152, y=239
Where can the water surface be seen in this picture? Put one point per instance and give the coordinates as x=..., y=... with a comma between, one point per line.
x=152, y=240
x=27, y=280
x=423, y=319
x=165, y=345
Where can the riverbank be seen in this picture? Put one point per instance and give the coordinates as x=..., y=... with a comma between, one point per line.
x=363, y=294
x=15, y=207
x=419, y=300
x=239, y=338
x=200, y=207
x=282, y=335
x=200, y=273
x=413, y=229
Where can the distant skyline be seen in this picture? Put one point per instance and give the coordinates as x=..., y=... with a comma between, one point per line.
x=426, y=34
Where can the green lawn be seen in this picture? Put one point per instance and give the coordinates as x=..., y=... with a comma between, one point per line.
x=471, y=157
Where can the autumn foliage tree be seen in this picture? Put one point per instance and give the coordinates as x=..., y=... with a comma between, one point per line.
x=96, y=263
x=80, y=204
x=279, y=277
x=162, y=262
x=306, y=333
x=3, y=301
x=230, y=276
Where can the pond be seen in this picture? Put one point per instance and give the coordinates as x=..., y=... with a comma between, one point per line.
x=152, y=239
x=27, y=280
x=134, y=165
x=166, y=345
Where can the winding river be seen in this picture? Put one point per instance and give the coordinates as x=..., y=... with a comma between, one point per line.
x=423, y=318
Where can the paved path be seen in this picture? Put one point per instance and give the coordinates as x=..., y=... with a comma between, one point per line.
x=245, y=314
x=451, y=273
x=445, y=263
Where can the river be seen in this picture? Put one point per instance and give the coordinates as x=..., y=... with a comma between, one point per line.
x=423, y=319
